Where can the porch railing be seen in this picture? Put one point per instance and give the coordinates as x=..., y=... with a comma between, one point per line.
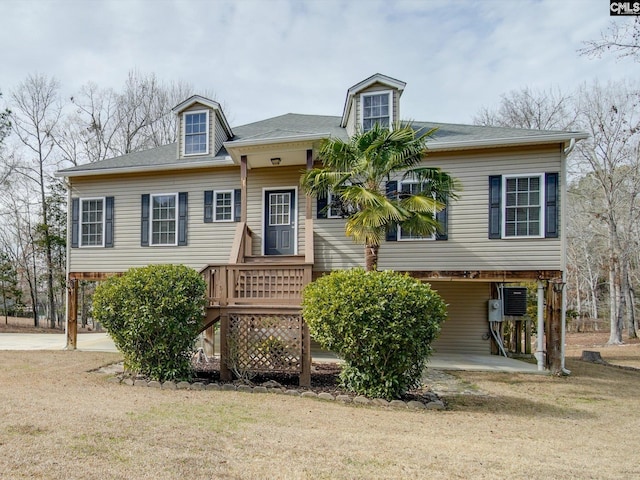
x=256, y=284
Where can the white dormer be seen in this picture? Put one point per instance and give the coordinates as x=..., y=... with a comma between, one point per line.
x=373, y=100
x=202, y=127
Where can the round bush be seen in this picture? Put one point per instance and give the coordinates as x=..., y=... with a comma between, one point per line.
x=154, y=315
x=380, y=323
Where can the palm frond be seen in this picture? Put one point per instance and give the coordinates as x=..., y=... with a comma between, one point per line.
x=422, y=203
x=434, y=181
x=363, y=234
x=421, y=223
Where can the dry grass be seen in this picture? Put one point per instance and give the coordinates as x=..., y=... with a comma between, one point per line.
x=60, y=421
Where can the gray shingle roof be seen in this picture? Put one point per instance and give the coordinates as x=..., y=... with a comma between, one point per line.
x=293, y=125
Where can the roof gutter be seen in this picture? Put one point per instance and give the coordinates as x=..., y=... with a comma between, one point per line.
x=272, y=141
x=223, y=162
x=435, y=145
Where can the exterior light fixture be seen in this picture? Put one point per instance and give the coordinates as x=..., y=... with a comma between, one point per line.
x=276, y=161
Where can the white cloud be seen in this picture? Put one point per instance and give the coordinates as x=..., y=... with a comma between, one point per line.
x=265, y=58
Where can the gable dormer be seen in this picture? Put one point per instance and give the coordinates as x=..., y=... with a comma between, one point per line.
x=373, y=100
x=202, y=127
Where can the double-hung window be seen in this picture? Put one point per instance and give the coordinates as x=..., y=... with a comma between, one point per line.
x=376, y=108
x=223, y=206
x=163, y=219
x=92, y=220
x=408, y=189
x=196, y=133
x=523, y=203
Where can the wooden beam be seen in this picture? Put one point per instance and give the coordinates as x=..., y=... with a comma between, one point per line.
x=93, y=276
x=305, y=376
x=225, y=373
x=309, y=210
x=554, y=327
x=486, y=275
x=72, y=314
x=243, y=187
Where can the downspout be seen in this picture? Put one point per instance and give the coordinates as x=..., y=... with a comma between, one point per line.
x=540, y=329
x=563, y=215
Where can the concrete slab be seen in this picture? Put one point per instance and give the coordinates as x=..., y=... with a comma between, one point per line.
x=101, y=342
x=481, y=363
x=97, y=342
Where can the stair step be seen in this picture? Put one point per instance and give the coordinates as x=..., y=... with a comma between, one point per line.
x=274, y=259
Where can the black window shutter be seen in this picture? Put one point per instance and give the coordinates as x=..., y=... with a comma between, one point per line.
x=443, y=218
x=551, y=205
x=108, y=222
x=392, y=192
x=75, y=222
x=495, y=206
x=237, y=205
x=321, y=206
x=144, y=223
x=182, y=218
x=208, y=206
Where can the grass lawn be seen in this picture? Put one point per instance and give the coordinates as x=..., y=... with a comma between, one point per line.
x=58, y=420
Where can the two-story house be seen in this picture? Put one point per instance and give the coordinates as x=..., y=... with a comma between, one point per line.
x=227, y=201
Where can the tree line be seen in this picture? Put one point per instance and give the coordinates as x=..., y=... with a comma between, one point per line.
x=41, y=132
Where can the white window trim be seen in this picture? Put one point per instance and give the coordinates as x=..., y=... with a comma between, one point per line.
x=184, y=133
x=294, y=216
x=104, y=222
x=371, y=94
x=503, y=205
x=330, y=196
x=399, y=233
x=215, y=204
x=177, y=220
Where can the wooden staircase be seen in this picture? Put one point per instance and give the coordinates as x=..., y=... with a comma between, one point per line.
x=253, y=291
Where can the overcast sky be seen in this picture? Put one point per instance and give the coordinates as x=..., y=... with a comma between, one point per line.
x=266, y=58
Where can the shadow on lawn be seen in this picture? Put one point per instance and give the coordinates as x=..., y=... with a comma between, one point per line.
x=514, y=406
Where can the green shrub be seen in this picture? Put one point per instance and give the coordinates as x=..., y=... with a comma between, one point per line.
x=154, y=315
x=380, y=323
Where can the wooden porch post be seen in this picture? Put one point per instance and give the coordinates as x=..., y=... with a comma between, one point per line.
x=72, y=314
x=305, y=375
x=308, y=222
x=309, y=167
x=209, y=340
x=243, y=186
x=554, y=327
x=225, y=373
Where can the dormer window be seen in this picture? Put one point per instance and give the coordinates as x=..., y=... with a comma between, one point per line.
x=196, y=133
x=376, y=108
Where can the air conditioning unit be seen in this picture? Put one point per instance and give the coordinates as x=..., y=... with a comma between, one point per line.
x=515, y=301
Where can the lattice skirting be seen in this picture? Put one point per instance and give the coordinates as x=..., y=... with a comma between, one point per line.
x=266, y=343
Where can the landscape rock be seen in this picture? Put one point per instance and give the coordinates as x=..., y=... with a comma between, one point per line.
x=437, y=405
x=326, y=396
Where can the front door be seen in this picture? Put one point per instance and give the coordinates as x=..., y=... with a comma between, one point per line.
x=280, y=222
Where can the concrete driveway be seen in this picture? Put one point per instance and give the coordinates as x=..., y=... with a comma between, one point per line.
x=97, y=342
x=101, y=342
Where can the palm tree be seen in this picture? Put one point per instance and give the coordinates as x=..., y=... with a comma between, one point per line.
x=355, y=173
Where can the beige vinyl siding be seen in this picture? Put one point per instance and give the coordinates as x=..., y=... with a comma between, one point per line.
x=207, y=242
x=468, y=246
x=466, y=323
x=273, y=178
x=220, y=135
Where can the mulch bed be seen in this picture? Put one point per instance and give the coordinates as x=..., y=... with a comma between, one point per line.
x=324, y=378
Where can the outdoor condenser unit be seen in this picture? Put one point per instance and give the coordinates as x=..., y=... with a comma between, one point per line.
x=515, y=301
